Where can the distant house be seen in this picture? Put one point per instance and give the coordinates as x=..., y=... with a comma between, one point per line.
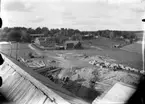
x=33, y=36
x=36, y=35
x=87, y=36
x=39, y=40
x=96, y=37
x=121, y=37
x=127, y=40
x=72, y=44
x=59, y=47
x=45, y=41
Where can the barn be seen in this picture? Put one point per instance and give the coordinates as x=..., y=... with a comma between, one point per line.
x=72, y=44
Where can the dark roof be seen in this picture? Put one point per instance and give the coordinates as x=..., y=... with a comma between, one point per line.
x=36, y=34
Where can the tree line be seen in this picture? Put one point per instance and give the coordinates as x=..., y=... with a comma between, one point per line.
x=22, y=34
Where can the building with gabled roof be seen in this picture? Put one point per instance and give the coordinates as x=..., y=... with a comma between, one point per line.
x=70, y=44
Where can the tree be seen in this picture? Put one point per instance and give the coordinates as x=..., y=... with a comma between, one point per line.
x=111, y=35
x=78, y=36
x=73, y=37
x=14, y=35
x=78, y=46
x=60, y=37
x=31, y=31
x=6, y=29
x=25, y=37
x=53, y=31
x=38, y=30
x=3, y=36
x=45, y=31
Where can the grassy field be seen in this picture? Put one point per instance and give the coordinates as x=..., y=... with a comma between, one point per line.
x=128, y=58
x=135, y=47
x=10, y=50
x=102, y=42
x=139, y=35
x=123, y=56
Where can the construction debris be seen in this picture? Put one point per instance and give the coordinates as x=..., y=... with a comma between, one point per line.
x=102, y=62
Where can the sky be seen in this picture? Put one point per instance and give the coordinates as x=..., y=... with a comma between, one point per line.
x=85, y=15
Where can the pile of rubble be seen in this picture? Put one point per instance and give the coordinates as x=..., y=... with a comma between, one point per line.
x=113, y=66
x=33, y=63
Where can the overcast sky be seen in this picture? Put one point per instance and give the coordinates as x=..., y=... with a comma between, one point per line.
x=87, y=15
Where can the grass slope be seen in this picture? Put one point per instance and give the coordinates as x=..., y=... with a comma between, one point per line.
x=135, y=47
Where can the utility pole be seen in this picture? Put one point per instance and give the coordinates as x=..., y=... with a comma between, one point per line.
x=16, y=51
x=11, y=49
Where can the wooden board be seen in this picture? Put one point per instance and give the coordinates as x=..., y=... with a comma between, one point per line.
x=20, y=99
x=17, y=90
x=4, y=64
x=14, y=87
x=24, y=89
x=9, y=82
x=36, y=98
x=4, y=69
x=42, y=100
x=48, y=101
x=41, y=69
x=28, y=96
x=9, y=73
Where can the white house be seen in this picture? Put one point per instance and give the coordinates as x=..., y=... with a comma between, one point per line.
x=45, y=41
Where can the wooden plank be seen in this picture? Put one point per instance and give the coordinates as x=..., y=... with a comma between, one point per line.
x=36, y=98
x=28, y=96
x=39, y=98
x=17, y=78
x=11, y=77
x=4, y=69
x=41, y=69
x=17, y=90
x=48, y=101
x=4, y=64
x=54, y=70
x=42, y=100
x=15, y=86
x=9, y=73
x=20, y=99
x=22, y=91
x=8, y=84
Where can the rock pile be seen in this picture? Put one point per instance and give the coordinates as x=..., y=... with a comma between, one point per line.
x=114, y=66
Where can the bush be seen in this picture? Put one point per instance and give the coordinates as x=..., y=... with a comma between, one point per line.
x=14, y=36
x=78, y=46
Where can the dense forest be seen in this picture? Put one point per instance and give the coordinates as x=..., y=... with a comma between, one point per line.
x=22, y=34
